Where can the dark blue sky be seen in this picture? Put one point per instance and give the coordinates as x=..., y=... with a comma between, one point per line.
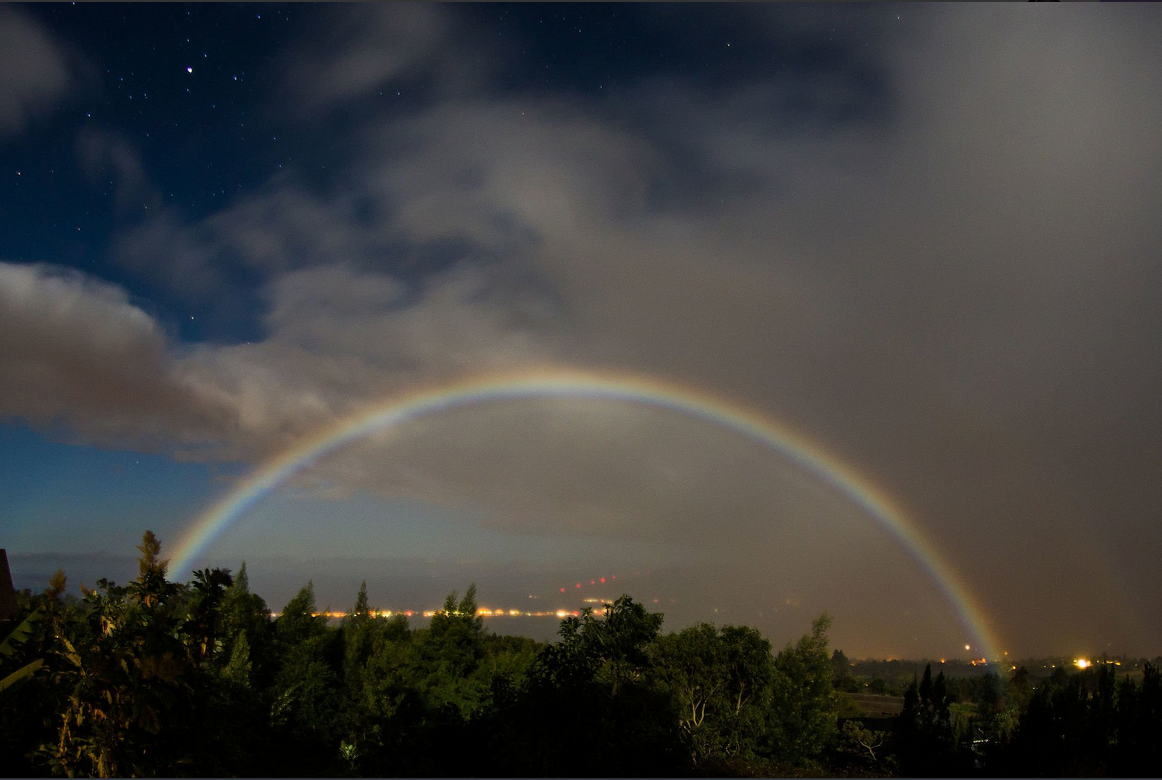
x=196, y=92
x=923, y=238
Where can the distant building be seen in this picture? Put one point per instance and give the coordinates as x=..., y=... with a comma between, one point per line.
x=7, y=592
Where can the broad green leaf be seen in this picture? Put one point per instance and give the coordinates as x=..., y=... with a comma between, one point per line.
x=22, y=673
x=20, y=634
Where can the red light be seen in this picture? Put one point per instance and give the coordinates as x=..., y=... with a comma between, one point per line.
x=603, y=579
x=578, y=584
x=592, y=582
x=562, y=590
x=614, y=576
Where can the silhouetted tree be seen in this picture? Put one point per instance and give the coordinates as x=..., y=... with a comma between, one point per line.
x=159, y=678
x=128, y=679
x=802, y=719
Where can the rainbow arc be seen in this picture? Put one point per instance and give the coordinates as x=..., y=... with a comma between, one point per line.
x=612, y=386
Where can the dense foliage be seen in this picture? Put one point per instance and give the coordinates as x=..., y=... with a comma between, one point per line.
x=157, y=678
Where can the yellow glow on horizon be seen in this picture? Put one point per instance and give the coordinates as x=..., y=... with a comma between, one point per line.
x=1082, y=663
x=481, y=612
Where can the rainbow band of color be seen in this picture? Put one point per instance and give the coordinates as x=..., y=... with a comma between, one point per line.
x=596, y=386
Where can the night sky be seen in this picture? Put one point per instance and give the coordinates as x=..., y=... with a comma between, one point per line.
x=925, y=238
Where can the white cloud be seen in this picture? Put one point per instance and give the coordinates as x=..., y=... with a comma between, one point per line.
x=186, y=259
x=76, y=352
x=109, y=156
x=368, y=48
x=34, y=71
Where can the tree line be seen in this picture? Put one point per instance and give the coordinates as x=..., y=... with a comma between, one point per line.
x=156, y=678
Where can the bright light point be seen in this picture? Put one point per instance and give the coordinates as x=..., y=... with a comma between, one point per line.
x=603, y=580
x=967, y=647
x=1082, y=663
x=578, y=585
x=562, y=590
x=189, y=69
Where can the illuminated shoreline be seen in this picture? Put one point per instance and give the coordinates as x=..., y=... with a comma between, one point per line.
x=483, y=612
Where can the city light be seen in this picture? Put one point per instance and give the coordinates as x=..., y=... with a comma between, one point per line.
x=1081, y=663
x=481, y=612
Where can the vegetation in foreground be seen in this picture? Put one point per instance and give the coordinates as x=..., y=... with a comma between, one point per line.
x=156, y=678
